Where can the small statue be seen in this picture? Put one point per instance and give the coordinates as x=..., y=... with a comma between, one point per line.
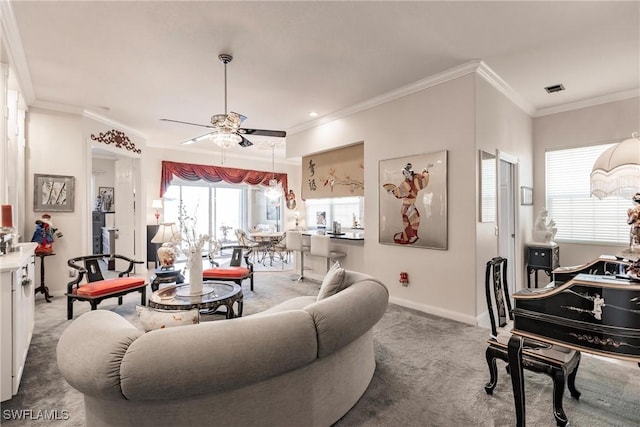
x=44, y=235
x=633, y=219
x=544, y=229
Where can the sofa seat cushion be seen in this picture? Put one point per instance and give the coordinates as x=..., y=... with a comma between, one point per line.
x=108, y=286
x=226, y=273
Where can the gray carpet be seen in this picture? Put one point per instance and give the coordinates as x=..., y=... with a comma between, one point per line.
x=430, y=372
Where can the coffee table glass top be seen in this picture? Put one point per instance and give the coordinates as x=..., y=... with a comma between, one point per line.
x=179, y=298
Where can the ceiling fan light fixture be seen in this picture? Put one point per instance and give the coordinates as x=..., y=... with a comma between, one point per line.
x=225, y=140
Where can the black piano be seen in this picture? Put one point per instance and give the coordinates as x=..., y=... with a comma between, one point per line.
x=594, y=313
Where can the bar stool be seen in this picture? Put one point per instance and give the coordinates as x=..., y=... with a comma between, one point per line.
x=293, y=242
x=321, y=246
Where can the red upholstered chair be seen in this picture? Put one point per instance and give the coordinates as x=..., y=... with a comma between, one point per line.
x=234, y=272
x=97, y=288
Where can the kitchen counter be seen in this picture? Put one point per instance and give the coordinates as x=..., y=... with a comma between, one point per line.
x=357, y=235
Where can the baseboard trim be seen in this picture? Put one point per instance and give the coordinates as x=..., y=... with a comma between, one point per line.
x=448, y=314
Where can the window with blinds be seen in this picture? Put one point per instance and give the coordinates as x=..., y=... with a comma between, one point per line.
x=578, y=216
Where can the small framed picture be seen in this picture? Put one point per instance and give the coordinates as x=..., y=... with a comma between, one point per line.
x=526, y=196
x=53, y=193
x=105, y=195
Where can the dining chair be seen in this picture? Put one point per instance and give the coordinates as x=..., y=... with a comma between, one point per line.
x=321, y=246
x=294, y=243
x=556, y=361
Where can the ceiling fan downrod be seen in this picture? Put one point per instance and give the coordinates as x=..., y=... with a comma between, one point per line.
x=225, y=59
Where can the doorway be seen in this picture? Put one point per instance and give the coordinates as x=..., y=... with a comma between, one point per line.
x=117, y=225
x=507, y=218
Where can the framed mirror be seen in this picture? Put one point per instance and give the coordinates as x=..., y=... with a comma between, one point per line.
x=488, y=179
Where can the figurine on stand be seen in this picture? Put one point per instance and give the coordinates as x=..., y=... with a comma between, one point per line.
x=544, y=229
x=633, y=219
x=44, y=235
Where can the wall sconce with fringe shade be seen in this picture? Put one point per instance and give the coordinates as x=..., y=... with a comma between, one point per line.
x=168, y=235
x=617, y=173
x=157, y=205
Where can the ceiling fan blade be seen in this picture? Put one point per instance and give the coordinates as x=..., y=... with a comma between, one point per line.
x=186, y=123
x=264, y=132
x=197, y=139
x=245, y=142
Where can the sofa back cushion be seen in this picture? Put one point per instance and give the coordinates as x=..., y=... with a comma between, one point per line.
x=193, y=360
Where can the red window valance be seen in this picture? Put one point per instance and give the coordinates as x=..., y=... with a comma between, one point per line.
x=191, y=172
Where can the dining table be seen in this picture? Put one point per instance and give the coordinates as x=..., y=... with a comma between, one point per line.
x=267, y=241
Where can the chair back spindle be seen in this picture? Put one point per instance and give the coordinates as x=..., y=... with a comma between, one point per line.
x=496, y=284
x=93, y=270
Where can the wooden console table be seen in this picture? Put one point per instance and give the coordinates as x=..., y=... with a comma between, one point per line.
x=43, y=288
x=545, y=258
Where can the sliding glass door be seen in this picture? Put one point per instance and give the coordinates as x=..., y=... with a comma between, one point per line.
x=218, y=209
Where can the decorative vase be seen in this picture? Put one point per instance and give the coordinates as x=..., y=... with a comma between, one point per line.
x=195, y=274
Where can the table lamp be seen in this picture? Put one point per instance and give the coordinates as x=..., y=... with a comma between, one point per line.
x=168, y=235
x=617, y=173
x=157, y=205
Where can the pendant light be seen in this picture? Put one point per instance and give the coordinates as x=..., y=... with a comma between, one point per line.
x=275, y=190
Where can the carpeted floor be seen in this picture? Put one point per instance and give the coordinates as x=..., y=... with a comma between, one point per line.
x=430, y=372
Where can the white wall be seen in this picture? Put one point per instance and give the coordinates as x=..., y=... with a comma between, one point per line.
x=501, y=125
x=56, y=145
x=104, y=176
x=441, y=117
x=600, y=124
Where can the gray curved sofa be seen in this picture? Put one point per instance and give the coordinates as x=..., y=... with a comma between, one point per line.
x=301, y=363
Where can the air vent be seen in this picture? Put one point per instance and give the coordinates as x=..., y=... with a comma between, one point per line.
x=554, y=88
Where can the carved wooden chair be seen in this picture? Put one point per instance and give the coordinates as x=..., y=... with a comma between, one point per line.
x=235, y=272
x=97, y=288
x=556, y=361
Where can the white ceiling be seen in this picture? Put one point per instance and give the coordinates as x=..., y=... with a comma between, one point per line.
x=137, y=62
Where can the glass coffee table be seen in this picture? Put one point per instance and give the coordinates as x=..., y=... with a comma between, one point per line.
x=213, y=296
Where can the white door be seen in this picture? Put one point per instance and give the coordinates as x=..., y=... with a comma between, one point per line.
x=507, y=184
x=124, y=198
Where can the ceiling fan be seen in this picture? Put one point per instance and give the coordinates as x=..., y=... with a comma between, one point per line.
x=226, y=127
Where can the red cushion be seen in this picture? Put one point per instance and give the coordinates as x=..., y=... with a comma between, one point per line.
x=103, y=287
x=225, y=272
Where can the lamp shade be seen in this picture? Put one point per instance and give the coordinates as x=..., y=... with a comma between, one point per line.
x=167, y=233
x=617, y=171
x=156, y=204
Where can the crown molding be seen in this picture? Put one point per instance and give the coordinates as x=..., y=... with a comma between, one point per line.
x=503, y=87
x=475, y=66
x=13, y=44
x=590, y=102
x=436, y=79
x=113, y=124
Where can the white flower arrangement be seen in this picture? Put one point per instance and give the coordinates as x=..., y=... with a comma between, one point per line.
x=190, y=243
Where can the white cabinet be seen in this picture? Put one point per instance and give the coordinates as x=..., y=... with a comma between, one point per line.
x=17, y=308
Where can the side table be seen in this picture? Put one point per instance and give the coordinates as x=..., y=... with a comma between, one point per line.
x=163, y=275
x=43, y=288
x=542, y=257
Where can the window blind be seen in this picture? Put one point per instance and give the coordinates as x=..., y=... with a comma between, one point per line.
x=578, y=216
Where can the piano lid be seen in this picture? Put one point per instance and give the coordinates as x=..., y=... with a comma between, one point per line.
x=596, y=313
